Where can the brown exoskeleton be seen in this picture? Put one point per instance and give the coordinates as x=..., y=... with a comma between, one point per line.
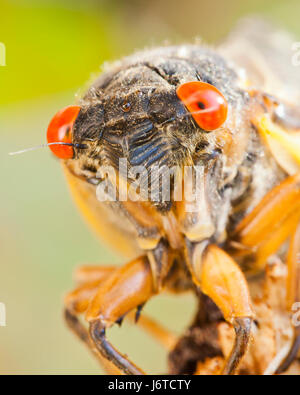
x=233, y=114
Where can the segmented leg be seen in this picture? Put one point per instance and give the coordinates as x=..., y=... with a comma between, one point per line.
x=271, y=222
x=106, y=301
x=90, y=279
x=293, y=261
x=127, y=288
x=293, y=294
x=82, y=334
x=76, y=302
x=89, y=273
x=222, y=280
x=266, y=228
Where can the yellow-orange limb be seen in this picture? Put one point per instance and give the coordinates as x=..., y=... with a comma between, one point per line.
x=281, y=202
x=82, y=333
x=275, y=239
x=126, y=289
x=89, y=278
x=78, y=301
x=266, y=228
x=132, y=280
x=293, y=294
x=89, y=273
x=223, y=281
x=293, y=261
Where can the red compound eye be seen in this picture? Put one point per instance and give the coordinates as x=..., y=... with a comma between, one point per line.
x=60, y=131
x=206, y=103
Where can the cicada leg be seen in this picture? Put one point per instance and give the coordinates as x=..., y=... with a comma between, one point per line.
x=89, y=273
x=113, y=292
x=271, y=222
x=127, y=288
x=89, y=279
x=266, y=228
x=293, y=294
x=82, y=334
x=77, y=301
x=222, y=280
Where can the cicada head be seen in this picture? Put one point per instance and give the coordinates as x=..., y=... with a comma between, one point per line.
x=158, y=108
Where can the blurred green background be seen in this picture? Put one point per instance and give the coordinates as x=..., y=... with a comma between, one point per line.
x=53, y=49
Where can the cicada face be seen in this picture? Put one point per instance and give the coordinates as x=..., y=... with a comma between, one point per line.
x=167, y=107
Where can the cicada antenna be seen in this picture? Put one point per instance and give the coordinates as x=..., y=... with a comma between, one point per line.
x=81, y=146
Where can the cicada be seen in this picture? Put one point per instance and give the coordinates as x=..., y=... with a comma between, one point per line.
x=231, y=116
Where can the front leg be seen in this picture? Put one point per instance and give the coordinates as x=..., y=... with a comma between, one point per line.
x=273, y=221
x=127, y=288
x=106, y=301
x=270, y=223
x=221, y=279
x=293, y=295
x=90, y=279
